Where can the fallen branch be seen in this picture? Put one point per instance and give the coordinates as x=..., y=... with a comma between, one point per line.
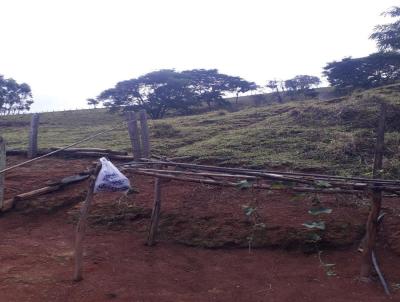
x=237, y=185
x=9, y=204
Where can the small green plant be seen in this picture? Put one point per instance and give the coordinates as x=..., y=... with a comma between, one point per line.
x=244, y=184
x=316, y=210
x=318, y=228
x=256, y=223
x=328, y=267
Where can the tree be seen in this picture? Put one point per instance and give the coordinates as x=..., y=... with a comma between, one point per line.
x=93, y=102
x=375, y=70
x=387, y=36
x=157, y=92
x=161, y=91
x=274, y=86
x=302, y=83
x=210, y=86
x=242, y=86
x=14, y=97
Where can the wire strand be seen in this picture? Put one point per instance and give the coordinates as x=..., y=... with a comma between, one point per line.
x=62, y=149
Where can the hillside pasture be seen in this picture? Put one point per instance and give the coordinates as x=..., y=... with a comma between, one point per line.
x=334, y=136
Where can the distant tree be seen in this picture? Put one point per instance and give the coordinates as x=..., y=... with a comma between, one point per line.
x=210, y=86
x=241, y=86
x=161, y=91
x=302, y=83
x=157, y=92
x=387, y=36
x=14, y=97
x=93, y=102
x=274, y=86
x=375, y=70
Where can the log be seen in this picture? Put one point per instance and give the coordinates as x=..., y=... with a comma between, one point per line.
x=272, y=176
x=9, y=204
x=134, y=135
x=37, y=192
x=2, y=166
x=197, y=173
x=144, y=131
x=251, y=172
x=372, y=223
x=256, y=186
x=33, y=134
x=155, y=214
x=16, y=152
x=52, y=187
x=100, y=154
x=113, y=155
x=81, y=226
x=388, y=185
x=107, y=151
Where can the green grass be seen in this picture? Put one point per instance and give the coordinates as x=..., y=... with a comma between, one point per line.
x=335, y=136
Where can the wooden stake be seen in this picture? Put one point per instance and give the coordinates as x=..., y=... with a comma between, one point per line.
x=144, y=133
x=155, y=215
x=81, y=226
x=372, y=223
x=134, y=134
x=2, y=167
x=33, y=134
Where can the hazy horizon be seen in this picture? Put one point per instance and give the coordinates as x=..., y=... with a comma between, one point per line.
x=68, y=51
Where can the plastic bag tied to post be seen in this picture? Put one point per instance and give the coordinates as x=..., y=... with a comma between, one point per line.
x=110, y=179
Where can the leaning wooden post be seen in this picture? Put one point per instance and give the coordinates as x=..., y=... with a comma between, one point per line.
x=134, y=134
x=145, y=134
x=2, y=167
x=33, y=134
x=81, y=226
x=372, y=223
x=155, y=215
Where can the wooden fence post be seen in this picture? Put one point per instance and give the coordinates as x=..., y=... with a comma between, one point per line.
x=134, y=134
x=2, y=167
x=33, y=134
x=81, y=226
x=155, y=215
x=372, y=223
x=144, y=134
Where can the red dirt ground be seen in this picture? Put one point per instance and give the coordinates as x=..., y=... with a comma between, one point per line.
x=36, y=245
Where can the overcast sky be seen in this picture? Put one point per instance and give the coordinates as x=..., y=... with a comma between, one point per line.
x=70, y=50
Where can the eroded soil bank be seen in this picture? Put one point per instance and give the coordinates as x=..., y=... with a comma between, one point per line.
x=37, y=243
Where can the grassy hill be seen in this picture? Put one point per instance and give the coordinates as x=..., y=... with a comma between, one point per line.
x=335, y=136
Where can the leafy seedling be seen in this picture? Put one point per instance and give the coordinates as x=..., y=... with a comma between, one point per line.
x=313, y=238
x=248, y=210
x=244, y=184
x=328, y=267
x=319, y=225
x=323, y=184
x=319, y=210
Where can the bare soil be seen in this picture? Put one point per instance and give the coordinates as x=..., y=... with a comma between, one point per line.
x=203, y=250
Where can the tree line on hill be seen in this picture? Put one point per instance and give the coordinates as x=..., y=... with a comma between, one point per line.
x=164, y=90
x=183, y=92
x=161, y=91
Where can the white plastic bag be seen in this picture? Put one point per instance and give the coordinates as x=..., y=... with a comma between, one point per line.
x=110, y=179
